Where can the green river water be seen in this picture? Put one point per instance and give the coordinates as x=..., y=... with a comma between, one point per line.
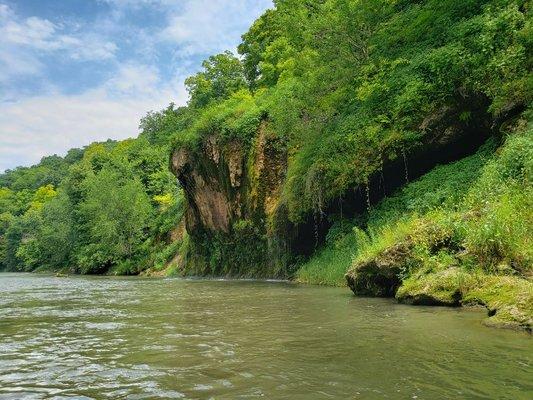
x=132, y=338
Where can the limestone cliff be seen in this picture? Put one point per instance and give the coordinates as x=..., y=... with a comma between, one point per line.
x=233, y=190
x=236, y=216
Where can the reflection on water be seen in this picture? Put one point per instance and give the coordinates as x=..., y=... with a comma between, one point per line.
x=136, y=338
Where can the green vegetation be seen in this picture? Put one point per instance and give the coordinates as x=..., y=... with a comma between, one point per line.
x=349, y=83
x=461, y=234
x=443, y=188
x=329, y=265
x=350, y=88
x=477, y=251
x=325, y=97
x=108, y=208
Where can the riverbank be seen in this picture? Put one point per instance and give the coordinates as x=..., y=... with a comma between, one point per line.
x=459, y=235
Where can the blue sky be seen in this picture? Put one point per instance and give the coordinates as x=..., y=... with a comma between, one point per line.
x=76, y=71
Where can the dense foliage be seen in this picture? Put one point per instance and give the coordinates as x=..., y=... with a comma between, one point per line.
x=351, y=86
x=110, y=207
x=442, y=188
x=349, y=83
x=346, y=85
x=485, y=198
x=461, y=233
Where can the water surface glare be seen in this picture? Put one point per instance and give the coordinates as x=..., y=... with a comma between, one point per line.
x=131, y=338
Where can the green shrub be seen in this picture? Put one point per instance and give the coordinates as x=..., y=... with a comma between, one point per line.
x=328, y=265
x=474, y=216
x=499, y=224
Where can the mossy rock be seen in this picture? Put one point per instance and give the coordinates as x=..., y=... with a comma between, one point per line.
x=381, y=275
x=509, y=301
x=510, y=317
x=443, y=288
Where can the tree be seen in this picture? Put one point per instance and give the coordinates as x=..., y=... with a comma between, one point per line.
x=159, y=127
x=276, y=59
x=27, y=254
x=26, y=249
x=12, y=239
x=56, y=236
x=254, y=43
x=116, y=215
x=7, y=200
x=5, y=221
x=42, y=195
x=223, y=75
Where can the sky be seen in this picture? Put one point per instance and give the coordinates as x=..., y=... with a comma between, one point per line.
x=77, y=71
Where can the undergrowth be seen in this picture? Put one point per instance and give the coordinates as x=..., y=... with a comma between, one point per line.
x=443, y=188
x=478, y=251
x=461, y=234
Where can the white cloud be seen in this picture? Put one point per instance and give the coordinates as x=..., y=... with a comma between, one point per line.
x=49, y=121
x=207, y=26
x=53, y=123
x=13, y=63
x=26, y=40
x=133, y=3
x=4, y=11
x=132, y=78
x=90, y=48
x=33, y=31
x=198, y=27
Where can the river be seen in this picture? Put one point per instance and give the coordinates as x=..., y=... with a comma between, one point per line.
x=133, y=338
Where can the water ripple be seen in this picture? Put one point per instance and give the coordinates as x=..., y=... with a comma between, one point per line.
x=98, y=338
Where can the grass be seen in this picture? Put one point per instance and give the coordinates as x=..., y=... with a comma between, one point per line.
x=394, y=218
x=461, y=234
x=329, y=265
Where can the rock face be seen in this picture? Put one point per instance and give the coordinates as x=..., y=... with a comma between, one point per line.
x=232, y=190
x=227, y=182
x=236, y=216
x=211, y=200
x=379, y=276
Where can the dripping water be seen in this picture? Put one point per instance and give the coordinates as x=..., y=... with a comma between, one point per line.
x=405, y=166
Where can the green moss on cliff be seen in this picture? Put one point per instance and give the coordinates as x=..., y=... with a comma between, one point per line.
x=508, y=299
x=478, y=252
x=391, y=220
x=236, y=118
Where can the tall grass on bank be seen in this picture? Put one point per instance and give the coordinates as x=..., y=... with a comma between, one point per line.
x=482, y=206
x=444, y=188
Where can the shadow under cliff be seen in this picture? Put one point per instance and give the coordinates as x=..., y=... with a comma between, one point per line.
x=448, y=137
